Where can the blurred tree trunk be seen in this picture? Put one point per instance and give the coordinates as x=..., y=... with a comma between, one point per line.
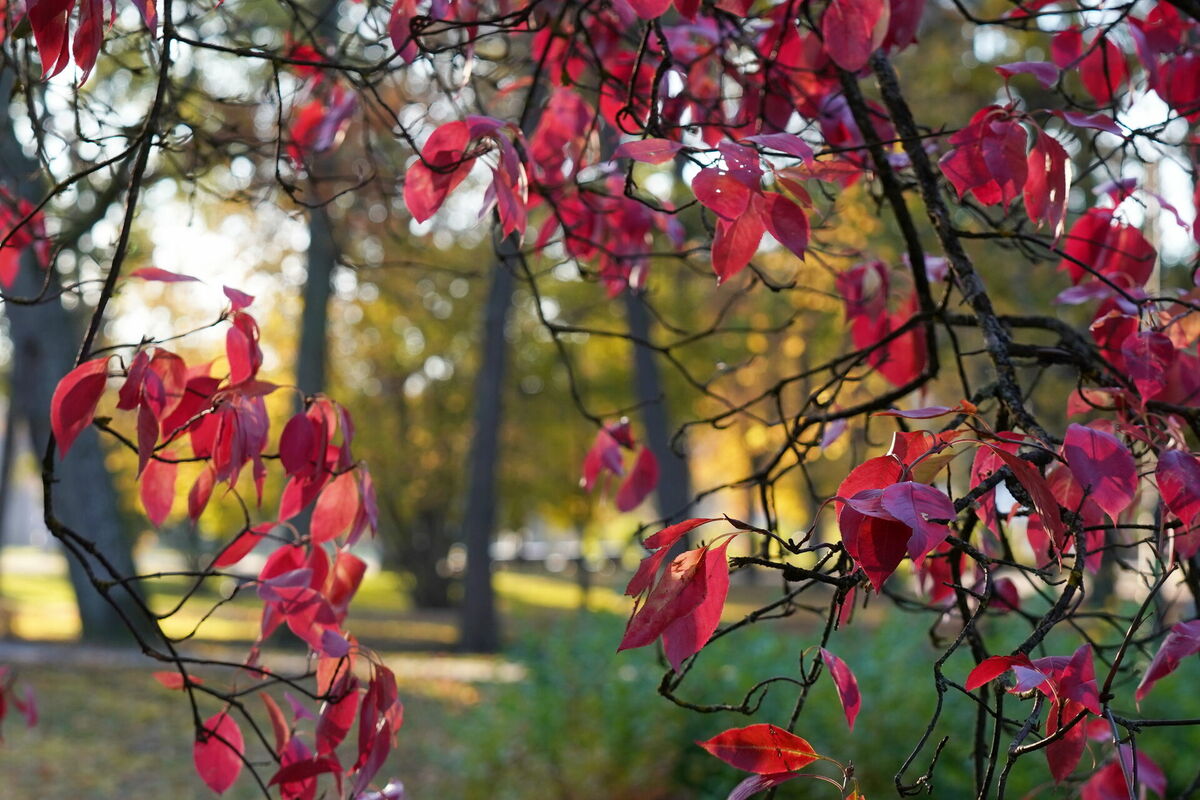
x=673, y=494
x=480, y=626
x=314, y=318
x=45, y=340
x=313, y=351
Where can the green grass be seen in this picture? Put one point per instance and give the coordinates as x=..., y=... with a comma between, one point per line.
x=585, y=722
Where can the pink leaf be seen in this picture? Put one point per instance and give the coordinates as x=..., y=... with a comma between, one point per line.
x=763, y=749
x=917, y=505
x=649, y=151
x=1045, y=72
x=336, y=508
x=678, y=592
x=1178, y=477
x=649, y=9
x=217, y=753
x=852, y=30
x=1103, y=466
x=735, y=243
x=75, y=399
x=756, y=783
x=721, y=193
x=788, y=143
x=156, y=489
x=1048, y=184
x=687, y=635
x=156, y=274
x=786, y=221
x=443, y=166
x=847, y=685
x=1098, y=121
x=239, y=299
x=1064, y=753
x=991, y=668
x=245, y=541
x=1183, y=641
x=1035, y=484
x=173, y=680
x=640, y=483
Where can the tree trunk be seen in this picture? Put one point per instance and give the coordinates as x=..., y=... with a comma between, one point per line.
x=480, y=626
x=314, y=319
x=45, y=341
x=674, y=491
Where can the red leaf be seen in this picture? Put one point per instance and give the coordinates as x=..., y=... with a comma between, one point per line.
x=1178, y=478
x=1035, y=484
x=1045, y=72
x=336, y=508
x=236, y=550
x=991, y=668
x=200, y=493
x=238, y=299
x=1103, y=71
x=217, y=753
x=763, y=749
x=721, y=193
x=429, y=181
x=1048, y=184
x=788, y=143
x=847, y=685
x=1103, y=466
x=640, y=483
x=1181, y=642
x=649, y=151
x=676, y=594
x=687, y=635
x=75, y=400
x=662, y=541
x=877, y=545
x=336, y=719
x=649, y=9
x=787, y=222
x=988, y=159
x=1109, y=782
x=735, y=243
x=48, y=19
x=916, y=505
x=1064, y=753
x=173, y=680
x=88, y=35
x=156, y=488
x=852, y=30
x=156, y=274
x=1097, y=121
x=279, y=726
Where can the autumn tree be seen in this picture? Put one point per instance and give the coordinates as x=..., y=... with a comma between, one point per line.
x=967, y=453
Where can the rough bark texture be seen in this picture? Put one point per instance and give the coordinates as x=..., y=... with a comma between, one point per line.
x=45, y=339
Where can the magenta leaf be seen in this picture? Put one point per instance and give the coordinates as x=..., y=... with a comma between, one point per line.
x=650, y=151
x=917, y=505
x=1103, y=466
x=847, y=685
x=640, y=483
x=1181, y=642
x=217, y=753
x=1045, y=72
